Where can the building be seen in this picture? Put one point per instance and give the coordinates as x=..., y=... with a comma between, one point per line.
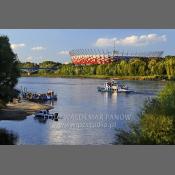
x=96, y=56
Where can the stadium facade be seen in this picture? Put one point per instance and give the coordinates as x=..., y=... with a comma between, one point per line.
x=97, y=56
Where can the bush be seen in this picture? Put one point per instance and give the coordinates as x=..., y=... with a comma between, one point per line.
x=7, y=138
x=157, y=121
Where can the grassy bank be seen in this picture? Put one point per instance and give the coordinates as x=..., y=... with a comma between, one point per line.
x=19, y=111
x=156, y=122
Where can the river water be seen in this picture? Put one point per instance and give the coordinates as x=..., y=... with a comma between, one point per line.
x=87, y=117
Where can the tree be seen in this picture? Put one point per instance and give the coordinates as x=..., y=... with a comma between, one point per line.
x=156, y=123
x=137, y=67
x=9, y=71
x=152, y=66
x=27, y=65
x=123, y=67
x=170, y=67
x=49, y=64
x=100, y=69
x=160, y=68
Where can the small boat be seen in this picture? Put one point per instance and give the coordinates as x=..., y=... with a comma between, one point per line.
x=46, y=114
x=112, y=86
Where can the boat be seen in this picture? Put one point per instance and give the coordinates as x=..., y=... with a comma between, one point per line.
x=39, y=97
x=45, y=114
x=112, y=86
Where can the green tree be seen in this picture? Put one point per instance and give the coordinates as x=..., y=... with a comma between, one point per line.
x=137, y=67
x=157, y=121
x=27, y=65
x=152, y=66
x=49, y=64
x=100, y=69
x=160, y=68
x=170, y=67
x=123, y=67
x=9, y=71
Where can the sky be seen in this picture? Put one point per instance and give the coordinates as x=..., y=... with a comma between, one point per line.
x=37, y=45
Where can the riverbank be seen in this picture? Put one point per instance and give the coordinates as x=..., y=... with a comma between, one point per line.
x=153, y=77
x=156, y=121
x=19, y=111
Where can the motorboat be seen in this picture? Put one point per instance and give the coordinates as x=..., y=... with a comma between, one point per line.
x=112, y=86
x=46, y=114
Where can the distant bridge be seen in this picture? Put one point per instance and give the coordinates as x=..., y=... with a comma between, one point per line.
x=35, y=69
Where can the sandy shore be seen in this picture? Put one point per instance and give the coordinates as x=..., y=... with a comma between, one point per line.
x=19, y=111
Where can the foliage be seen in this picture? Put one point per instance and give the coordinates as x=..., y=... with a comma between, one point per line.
x=49, y=64
x=170, y=67
x=159, y=68
x=27, y=65
x=157, y=122
x=9, y=71
x=156, y=67
x=7, y=138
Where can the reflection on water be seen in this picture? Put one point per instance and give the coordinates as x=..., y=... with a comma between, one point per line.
x=41, y=119
x=50, y=102
x=87, y=116
x=7, y=137
x=109, y=96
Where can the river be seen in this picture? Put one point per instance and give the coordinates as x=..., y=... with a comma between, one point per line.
x=87, y=117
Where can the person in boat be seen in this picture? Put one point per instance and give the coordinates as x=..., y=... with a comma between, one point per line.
x=124, y=86
x=50, y=93
x=109, y=84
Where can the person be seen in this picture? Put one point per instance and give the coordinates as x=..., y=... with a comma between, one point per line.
x=112, y=81
x=51, y=93
x=48, y=92
x=19, y=99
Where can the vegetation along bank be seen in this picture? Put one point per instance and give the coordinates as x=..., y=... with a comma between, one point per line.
x=134, y=69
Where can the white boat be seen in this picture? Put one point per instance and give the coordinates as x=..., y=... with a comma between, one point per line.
x=46, y=114
x=111, y=86
x=124, y=90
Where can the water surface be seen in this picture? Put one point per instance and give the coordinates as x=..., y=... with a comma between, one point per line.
x=86, y=115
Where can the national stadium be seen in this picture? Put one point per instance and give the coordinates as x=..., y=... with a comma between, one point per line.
x=102, y=56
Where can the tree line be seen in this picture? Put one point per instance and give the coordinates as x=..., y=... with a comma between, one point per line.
x=133, y=67
x=161, y=67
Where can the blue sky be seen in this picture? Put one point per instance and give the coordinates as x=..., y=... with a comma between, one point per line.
x=53, y=44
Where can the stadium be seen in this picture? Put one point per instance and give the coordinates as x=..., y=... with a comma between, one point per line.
x=97, y=56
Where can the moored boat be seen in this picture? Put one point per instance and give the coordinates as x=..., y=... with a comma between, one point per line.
x=39, y=97
x=45, y=114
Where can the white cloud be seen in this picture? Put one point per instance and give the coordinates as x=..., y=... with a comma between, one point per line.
x=37, y=59
x=29, y=59
x=38, y=48
x=66, y=62
x=133, y=40
x=17, y=46
x=105, y=42
x=63, y=52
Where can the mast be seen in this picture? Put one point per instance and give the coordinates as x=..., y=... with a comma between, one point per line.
x=114, y=51
x=114, y=48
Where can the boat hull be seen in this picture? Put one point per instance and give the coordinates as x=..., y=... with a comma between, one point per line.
x=102, y=89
